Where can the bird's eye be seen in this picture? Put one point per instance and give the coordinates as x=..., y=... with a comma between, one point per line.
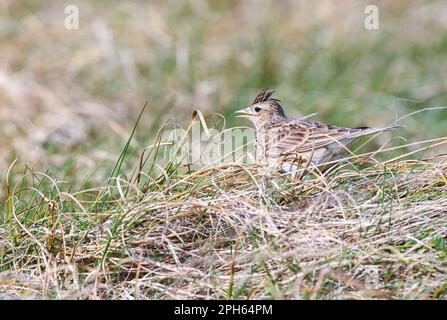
x=257, y=109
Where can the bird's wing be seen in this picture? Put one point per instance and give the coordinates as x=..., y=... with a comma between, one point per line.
x=302, y=136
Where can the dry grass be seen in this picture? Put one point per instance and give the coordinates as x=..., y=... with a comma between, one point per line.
x=226, y=231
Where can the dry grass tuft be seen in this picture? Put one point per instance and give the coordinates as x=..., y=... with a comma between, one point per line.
x=226, y=232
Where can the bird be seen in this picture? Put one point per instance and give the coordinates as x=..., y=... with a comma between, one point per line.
x=290, y=143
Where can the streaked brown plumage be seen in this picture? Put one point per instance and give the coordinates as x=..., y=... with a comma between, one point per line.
x=290, y=142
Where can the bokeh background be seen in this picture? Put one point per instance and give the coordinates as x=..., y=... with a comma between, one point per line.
x=69, y=98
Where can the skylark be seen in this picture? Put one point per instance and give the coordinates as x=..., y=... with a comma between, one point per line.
x=291, y=143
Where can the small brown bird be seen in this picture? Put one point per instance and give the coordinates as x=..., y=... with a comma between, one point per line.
x=293, y=142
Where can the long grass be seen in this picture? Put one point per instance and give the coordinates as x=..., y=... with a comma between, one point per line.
x=365, y=229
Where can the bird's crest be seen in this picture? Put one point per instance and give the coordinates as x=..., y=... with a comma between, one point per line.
x=265, y=95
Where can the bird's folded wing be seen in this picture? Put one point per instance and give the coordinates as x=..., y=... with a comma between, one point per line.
x=302, y=137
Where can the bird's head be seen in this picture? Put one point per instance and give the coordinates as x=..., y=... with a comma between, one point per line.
x=263, y=109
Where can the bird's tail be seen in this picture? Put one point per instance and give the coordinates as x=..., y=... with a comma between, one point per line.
x=365, y=131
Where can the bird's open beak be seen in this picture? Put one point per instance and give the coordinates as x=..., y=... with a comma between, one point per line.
x=243, y=113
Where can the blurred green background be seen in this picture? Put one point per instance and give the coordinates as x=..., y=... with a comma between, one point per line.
x=69, y=98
